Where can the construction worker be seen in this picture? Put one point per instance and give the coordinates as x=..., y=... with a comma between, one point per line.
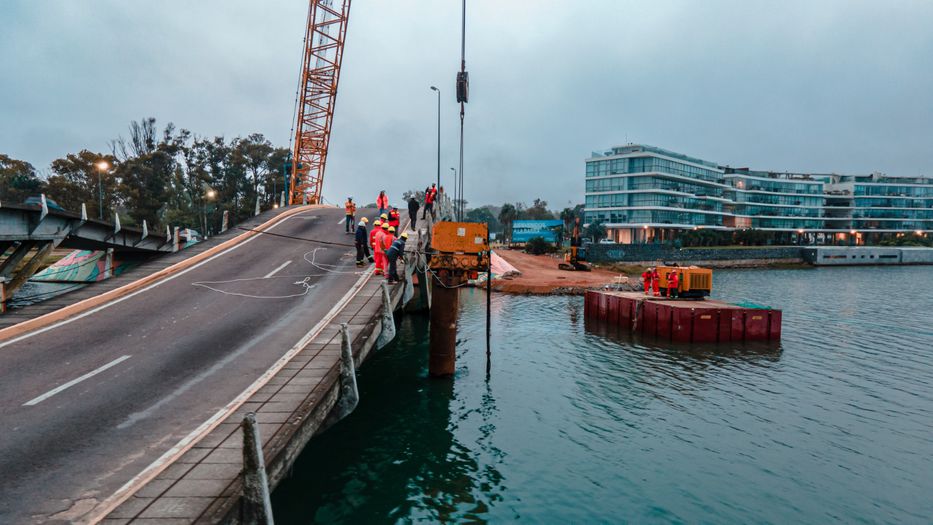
x=673, y=282
x=395, y=219
x=646, y=279
x=350, y=208
x=382, y=202
x=378, y=249
x=413, y=211
x=430, y=195
x=361, y=242
x=655, y=282
x=372, y=235
x=393, y=253
x=387, y=241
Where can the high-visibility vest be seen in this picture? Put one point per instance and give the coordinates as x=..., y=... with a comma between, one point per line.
x=351, y=207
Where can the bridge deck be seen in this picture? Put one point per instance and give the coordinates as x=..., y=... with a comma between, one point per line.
x=95, y=399
x=12, y=317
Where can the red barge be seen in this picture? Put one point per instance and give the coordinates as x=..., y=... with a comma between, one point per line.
x=687, y=321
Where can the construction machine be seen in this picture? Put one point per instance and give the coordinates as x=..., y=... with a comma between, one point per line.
x=693, y=282
x=573, y=260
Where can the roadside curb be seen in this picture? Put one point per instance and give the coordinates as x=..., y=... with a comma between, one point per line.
x=93, y=302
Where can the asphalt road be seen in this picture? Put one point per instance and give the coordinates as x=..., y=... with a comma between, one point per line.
x=148, y=370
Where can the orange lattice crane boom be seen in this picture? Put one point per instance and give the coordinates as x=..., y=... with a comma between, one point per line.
x=317, y=93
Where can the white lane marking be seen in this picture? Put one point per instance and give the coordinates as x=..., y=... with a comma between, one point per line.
x=141, y=290
x=73, y=382
x=185, y=444
x=273, y=272
x=341, y=220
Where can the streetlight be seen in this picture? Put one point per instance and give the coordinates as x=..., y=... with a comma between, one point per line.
x=102, y=166
x=438, y=136
x=210, y=194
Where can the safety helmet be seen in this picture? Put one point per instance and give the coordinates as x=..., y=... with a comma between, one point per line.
x=385, y=226
x=391, y=228
x=404, y=235
x=377, y=223
x=384, y=216
x=349, y=198
x=364, y=219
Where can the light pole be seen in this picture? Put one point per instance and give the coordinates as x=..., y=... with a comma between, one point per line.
x=438, y=136
x=102, y=166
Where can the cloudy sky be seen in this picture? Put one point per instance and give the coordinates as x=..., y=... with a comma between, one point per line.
x=828, y=86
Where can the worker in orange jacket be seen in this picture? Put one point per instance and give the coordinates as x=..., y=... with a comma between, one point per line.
x=673, y=283
x=387, y=241
x=646, y=280
x=395, y=218
x=350, y=208
x=378, y=247
x=382, y=202
x=656, y=282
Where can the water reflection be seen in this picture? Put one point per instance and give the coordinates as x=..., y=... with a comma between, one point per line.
x=396, y=457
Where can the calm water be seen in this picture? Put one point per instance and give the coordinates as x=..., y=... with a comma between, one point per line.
x=835, y=424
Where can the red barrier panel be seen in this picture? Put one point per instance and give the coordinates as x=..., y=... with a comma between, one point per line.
x=588, y=303
x=705, y=325
x=738, y=325
x=682, y=325
x=756, y=325
x=649, y=318
x=725, y=325
x=625, y=313
x=603, y=307
x=665, y=317
x=612, y=317
x=774, y=328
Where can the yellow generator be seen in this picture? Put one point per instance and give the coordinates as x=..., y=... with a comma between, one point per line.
x=693, y=281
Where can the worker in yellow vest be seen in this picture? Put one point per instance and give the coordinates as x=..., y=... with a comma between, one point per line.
x=350, y=220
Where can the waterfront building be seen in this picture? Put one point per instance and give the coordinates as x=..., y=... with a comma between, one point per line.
x=647, y=194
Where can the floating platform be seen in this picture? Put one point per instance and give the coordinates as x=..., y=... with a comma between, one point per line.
x=682, y=320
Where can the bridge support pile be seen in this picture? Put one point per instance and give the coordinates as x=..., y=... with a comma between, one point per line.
x=461, y=249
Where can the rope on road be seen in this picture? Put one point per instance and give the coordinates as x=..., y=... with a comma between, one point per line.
x=298, y=238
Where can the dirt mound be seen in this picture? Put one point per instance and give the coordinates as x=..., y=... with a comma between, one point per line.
x=540, y=275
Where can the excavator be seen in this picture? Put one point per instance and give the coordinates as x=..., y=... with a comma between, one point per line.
x=573, y=260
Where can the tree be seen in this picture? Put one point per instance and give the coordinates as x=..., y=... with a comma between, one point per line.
x=595, y=231
x=74, y=181
x=482, y=215
x=252, y=156
x=538, y=211
x=507, y=216
x=18, y=180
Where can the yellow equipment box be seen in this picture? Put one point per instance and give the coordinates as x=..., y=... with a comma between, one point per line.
x=460, y=237
x=460, y=246
x=693, y=280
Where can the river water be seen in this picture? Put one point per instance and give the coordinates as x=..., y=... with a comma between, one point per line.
x=834, y=424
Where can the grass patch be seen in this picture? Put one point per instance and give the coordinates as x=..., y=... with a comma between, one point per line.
x=627, y=269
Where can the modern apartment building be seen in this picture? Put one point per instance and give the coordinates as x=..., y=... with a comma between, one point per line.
x=645, y=194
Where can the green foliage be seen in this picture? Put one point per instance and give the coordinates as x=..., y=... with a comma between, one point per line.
x=538, y=246
x=907, y=240
x=536, y=212
x=507, y=216
x=18, y=180
x=595, y=231
x=700, y=237
x=483, y=214
x=166, y=177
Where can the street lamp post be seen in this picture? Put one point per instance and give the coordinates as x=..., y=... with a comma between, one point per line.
x=438, y=136
x=102, y=166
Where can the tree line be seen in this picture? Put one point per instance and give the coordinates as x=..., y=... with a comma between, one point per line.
x=167, y=177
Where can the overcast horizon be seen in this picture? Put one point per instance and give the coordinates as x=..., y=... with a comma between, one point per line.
x=841, y=86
